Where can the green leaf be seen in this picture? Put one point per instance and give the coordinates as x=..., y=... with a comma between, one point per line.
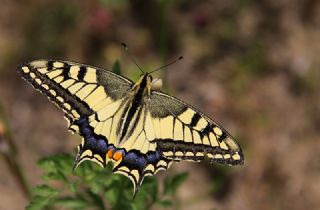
x=112, y=193
x=116, y=67
x=62, y=163
x=39, y=203
x=96, y=199
x=171, y=184
x=70, y=202
x=150, y=186
x=73, y=186
x=140, y=201
x=44, y=191
x=46, y=163
x=55, y=176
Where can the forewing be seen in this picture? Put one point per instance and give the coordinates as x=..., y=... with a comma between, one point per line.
x=76, y=88
x=80, y=91
x=184, y=133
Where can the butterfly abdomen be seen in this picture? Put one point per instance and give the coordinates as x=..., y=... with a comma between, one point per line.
x=133, y=111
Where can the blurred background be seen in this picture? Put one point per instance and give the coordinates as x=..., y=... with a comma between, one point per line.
x=253, y=66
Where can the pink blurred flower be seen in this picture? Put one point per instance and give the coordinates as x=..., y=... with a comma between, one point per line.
x=100, y=19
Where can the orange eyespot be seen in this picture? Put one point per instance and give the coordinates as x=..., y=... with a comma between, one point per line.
x=117, y=156
x=110, y=153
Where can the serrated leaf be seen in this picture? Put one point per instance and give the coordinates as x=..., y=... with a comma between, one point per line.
x=38, y=203
x=55, y=176
x=46, y=163
x=62, y=163
x=70, y=202
x=44, y=191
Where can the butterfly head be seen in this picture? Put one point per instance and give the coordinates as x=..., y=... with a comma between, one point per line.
x=149, y=78
x=143, y=85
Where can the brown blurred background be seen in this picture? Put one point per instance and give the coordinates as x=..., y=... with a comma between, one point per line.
x=253, y=66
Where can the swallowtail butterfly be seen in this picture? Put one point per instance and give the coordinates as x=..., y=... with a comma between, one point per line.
x=140, y=129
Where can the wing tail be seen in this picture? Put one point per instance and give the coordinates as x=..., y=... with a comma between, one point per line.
x=136, y=165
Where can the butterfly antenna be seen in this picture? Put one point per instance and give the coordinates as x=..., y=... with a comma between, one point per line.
x=162, y=67
x=127, y=51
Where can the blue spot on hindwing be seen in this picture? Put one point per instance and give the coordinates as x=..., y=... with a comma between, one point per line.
x=153, y=157
x=101, y=146
x=97, y=144
x=86, y=131
x=89, y=142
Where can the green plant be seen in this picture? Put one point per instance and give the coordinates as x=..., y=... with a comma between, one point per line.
x=95, y=187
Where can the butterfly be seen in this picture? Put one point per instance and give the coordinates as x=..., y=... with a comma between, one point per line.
x=140, y=129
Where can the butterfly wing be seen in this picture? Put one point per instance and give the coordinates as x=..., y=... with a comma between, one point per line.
x=80, y=91
x=184, y=133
